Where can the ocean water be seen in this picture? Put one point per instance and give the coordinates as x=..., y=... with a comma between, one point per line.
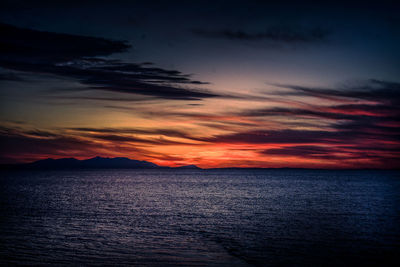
x=200, y=218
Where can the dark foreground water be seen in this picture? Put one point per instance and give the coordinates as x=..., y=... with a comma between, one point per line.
x=187, y=217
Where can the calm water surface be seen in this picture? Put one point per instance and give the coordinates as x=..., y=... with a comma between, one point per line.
x=205, y=218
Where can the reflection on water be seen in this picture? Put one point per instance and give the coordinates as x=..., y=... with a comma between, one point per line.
x=195, y=217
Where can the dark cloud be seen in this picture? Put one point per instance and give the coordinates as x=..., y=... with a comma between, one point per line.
x=129, y=135
x=298, y=137
x=297, y=112
x=379, y=128
x=336, y=112
x=165, y=132
x=307, y=152
x=98, y=98
x=74, y=56
x=133, y=139
x=39, y=133
x=276, y=137
x=272, y=34
x=373, y=90
x=39, y=47
x=337, y=153
x=373, y=110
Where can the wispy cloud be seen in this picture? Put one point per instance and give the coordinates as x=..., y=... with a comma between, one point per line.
x=287, y=35
x=372, y=90
x=155, y=131
x=378, y=154
x=148, y=136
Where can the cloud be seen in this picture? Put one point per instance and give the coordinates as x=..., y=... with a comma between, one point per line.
x=136, y=140
x=165, y=132
x=309, y=151
x=31, y=46
x=279, y=137
x=76, y=57
x=285, y=35
x=376, y=154
x=99, y=98
x=338, y=115
x=373, y=90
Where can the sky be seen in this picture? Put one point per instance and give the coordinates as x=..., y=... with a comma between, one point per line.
x=211, y=83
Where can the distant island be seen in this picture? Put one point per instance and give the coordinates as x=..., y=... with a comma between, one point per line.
x=92, y=163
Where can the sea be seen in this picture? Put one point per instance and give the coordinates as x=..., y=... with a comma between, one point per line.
x=178, y=217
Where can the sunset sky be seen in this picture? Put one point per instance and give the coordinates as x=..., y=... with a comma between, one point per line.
x=211, y=83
